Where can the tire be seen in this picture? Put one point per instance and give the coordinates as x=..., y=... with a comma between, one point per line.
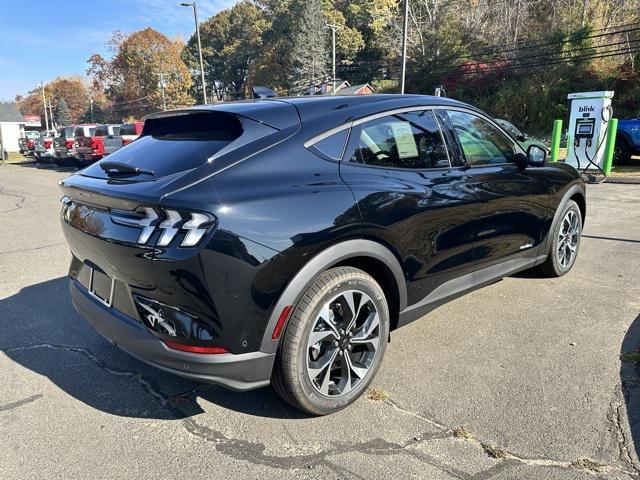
x=565, y=240
x=353, y=360
x=622, y=152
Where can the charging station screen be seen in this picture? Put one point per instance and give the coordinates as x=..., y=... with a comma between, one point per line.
x=584, y=129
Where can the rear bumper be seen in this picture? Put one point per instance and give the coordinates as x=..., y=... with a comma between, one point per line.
x=238, y=372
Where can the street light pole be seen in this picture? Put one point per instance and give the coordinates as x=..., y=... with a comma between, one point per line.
x=405, y=24
x=195, y=16
x=334, y=28
x=44, y=104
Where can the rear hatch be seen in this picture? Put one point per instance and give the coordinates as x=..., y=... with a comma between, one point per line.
x=83, y=141
x=112, y=215
x=63, y=143
x=113, y=141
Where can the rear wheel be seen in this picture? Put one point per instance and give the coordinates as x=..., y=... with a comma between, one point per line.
x=622, y=152
x=333, y=343
x=565, y=241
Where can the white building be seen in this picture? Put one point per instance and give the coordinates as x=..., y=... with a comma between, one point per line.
x=11, y=126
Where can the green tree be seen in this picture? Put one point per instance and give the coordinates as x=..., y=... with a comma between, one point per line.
x=62, y=113
x=232, y=49
x=309, y=56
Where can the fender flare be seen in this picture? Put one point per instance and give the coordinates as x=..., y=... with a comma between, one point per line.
x=576, y=188
x=323, y=260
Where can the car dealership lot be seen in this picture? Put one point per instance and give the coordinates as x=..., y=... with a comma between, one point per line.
x=521, y=379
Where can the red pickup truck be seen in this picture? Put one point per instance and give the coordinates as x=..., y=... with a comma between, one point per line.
x=91, y=148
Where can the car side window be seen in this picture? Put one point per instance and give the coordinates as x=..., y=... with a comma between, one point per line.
x=409, y=140
x=333, y=145
x=481, y=142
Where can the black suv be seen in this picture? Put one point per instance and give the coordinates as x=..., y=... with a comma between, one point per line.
x=280, y=241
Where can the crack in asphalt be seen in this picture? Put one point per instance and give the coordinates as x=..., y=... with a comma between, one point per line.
x=16, y=206
x=506, y=455
x=623, y=440
x=254, y=452
x=33, y=248
x=19, y=403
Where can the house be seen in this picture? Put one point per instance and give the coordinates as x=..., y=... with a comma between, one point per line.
x=11, y=126
x=343, y=87
x=360, y=89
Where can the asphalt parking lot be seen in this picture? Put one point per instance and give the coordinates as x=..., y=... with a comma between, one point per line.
x=522, y=379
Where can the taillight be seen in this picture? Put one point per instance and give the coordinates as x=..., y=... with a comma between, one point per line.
x=70, y=144
x=126, y=141
x=47, y=143
x=29, y=143
x=168, y=222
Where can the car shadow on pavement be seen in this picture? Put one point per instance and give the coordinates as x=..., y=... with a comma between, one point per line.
x=41, y=331
x=48, y=166
x=630, y=380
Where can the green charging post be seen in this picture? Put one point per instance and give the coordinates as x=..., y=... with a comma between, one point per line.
x=610, y=146
x=555, y=139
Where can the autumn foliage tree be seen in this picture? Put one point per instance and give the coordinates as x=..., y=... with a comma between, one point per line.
x=73, y=90
x=131, y=79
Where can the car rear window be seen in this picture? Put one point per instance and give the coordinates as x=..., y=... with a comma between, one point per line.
x=128, y=129
x=80, y=131
x=176, y=143
x=101, y=131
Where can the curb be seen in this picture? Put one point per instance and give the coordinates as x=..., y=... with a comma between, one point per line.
x=624, y=180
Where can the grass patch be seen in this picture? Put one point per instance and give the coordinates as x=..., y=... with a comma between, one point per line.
x=377, y=394
x=461, y=433
x=494, y=452
x=15, y=157
x=587, y=464
x=630, y=170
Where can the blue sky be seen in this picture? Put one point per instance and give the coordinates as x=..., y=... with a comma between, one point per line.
x=40, y=40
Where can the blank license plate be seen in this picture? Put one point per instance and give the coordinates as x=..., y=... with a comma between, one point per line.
x=101, y=287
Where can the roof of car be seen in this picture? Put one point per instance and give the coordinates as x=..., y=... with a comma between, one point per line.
x=281, y=112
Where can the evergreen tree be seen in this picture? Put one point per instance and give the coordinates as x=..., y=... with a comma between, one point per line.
x=62, y=113
x=310, y=56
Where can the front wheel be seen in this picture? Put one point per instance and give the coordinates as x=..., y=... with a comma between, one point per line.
x=333, y=343
x=565, y=241
x=621, y=152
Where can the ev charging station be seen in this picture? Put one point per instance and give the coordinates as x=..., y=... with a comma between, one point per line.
x=589, y=117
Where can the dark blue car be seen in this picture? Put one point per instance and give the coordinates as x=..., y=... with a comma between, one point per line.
x=627, y=141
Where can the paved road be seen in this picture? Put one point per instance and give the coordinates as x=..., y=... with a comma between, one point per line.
x=521, y=379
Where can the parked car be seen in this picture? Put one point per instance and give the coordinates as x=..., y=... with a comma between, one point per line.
x=91, y=148
x=127, y=133
x=26, y=143
x=522, y=138
x=280, y=242
x=43, y=146
x=627, y=140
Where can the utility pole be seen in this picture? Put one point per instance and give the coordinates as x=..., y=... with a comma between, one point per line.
x=163, y=85
x=195, y=15
x=44, y=104
x=405, y=25
x=334, y=28
x=51, y=114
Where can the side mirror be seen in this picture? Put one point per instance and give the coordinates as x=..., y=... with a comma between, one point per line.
x=536, y=156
